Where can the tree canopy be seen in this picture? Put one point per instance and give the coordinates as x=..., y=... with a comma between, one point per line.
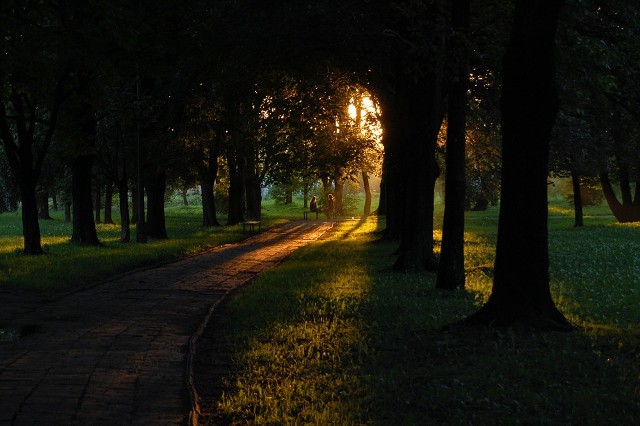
x=147, y=96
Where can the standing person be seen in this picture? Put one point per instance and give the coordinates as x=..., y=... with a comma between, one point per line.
x=329, y=208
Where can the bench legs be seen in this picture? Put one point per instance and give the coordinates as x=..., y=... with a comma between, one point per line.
x=306, y=214
x=251, y=225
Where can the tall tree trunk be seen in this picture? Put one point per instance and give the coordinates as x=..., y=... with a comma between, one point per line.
x=30, y=225
x=383, y=204
x=108, y=203
x=25, y=156
x=134, y=204
x=67, y=212
x=253, y=191
x=520, y=293
x=451, y=266
x=577, y=199
x=97, y=205
x=305, y=195
x=84, y=228
x=156, y=188
x=123, y=199
x=254, y=196
x=338, y=209
x=367, y=194
x=419, y=172
x=236, y=211
x=43, y=205
x=392, y=190
x=54, y=200
x=208, y=174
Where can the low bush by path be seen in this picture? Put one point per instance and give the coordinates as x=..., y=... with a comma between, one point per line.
x=332, y=336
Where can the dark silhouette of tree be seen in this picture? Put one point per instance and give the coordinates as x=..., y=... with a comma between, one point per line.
x=520, y=293
x=33, y=73
x=451, y=265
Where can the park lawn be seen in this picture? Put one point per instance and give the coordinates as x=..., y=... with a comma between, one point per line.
x=66, y=265
x=332, y=336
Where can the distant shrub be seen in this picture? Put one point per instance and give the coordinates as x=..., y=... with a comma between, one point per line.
x=590, y=192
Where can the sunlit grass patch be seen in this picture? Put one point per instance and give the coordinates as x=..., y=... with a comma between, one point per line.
x=66, y=265
x=333, y=336
x=298, y=358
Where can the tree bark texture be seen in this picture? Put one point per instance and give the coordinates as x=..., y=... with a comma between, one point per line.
x=577, y=200
x=253, y=192
x=84, y=228
x=421, y=106
x=236, y=211
x=43, y=205
x=392, y=190
x=451, y=265
x=208, y=172
x=123, y=197
x=520, y=293
x=367, y=194
x=156, y=188
x=30, y=225
x=98, y=203
x=108, y=203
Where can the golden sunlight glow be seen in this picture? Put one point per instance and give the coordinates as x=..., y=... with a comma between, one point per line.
x=369, y=122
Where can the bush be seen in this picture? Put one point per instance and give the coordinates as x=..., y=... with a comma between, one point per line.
x=590, y=192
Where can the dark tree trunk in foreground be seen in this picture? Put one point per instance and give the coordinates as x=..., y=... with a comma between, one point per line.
x=236, y=211
x=84, y=228
x=577, y=199
x=155, y=225
x=391, y=191
x=521, y=293
x=422, y=102
x=252, y=188
x=451, y=266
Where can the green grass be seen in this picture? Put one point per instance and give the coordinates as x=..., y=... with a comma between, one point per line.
x=66, y=265
x=332, y=336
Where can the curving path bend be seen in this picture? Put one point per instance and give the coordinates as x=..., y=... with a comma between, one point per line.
x=119, y=353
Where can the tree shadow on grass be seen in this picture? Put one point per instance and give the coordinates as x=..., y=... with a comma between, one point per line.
x=484, y=375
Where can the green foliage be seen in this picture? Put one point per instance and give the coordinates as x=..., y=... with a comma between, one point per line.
x=332, y=336
x=590, y=192
x=281, y=194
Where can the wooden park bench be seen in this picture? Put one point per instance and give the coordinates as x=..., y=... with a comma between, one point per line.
x=306, y=213
x=250, y=225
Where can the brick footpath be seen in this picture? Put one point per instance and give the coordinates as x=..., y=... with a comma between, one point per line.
x=119, y=353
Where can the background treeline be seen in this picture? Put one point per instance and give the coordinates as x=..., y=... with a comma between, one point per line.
x=136, y=98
